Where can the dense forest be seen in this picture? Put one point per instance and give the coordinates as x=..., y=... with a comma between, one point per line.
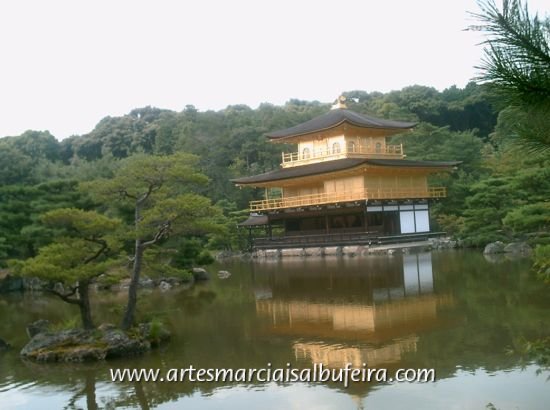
x=498, y=193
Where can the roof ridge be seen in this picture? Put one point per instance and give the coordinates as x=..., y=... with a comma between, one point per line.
x=337, y=165
x=333, y=118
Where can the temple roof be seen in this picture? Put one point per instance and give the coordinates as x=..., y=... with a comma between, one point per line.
x=338, y=165
x=255, y=220
x=336, y=117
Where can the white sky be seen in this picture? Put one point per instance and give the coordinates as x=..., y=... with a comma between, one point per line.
x=65, y=64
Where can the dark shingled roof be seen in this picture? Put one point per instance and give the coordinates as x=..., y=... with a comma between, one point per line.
x=255, y=220
x=338, y=165
x=336, y=117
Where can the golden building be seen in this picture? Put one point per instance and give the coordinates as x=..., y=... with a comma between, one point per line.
x=345, y=182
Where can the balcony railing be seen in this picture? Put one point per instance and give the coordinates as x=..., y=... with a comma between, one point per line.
x=305, y=157
x=347, y=196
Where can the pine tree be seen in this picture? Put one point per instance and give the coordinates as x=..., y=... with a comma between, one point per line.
x=516, y=68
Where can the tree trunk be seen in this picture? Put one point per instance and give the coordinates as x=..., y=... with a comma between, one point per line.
x=128, y=320
x=84, y=304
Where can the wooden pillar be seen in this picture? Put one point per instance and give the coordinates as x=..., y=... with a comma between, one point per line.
x=365, y=219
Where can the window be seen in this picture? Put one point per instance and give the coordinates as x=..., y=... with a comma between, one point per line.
x=351, y=146
x=305, y=153
x=336, y=148
x=378, y=148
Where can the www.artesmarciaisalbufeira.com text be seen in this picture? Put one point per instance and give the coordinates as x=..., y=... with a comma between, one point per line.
x=317, y=373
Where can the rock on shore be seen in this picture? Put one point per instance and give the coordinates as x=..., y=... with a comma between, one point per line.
x=517, y=248
x=200, y=274
x=494, y=247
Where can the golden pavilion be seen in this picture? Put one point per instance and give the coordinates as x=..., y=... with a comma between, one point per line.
x=344, y=183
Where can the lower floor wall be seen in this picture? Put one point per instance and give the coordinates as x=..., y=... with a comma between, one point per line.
x=389, y=219
x=409, y=218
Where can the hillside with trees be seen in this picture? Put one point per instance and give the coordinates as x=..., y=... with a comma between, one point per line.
x=495, y=194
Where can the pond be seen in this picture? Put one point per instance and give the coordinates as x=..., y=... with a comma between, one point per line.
x=451, y=311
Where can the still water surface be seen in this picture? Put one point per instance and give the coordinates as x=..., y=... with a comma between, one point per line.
x=452, y=311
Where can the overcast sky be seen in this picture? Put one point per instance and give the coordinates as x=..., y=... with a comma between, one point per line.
x=65, y=64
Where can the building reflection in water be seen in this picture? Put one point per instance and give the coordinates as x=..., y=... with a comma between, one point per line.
x=359, y=315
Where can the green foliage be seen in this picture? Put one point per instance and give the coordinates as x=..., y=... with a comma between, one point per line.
x=517, y=56
x=204, y=258
x=514, y=201
x=4, y=247
x=537, y=351
x=488, y=203
x=440, y=143
x=158, y=190
x=50, y=195
x=162, y=185
x=231, y=237
x=67, y=324
x=516, y=68
x=85, y=248
x=137, y=174
x=460, y=109
x=529, y=218
x=16, y=166
x=155, y=330
x=20, y=210
x=191, y=252
x=81, y=249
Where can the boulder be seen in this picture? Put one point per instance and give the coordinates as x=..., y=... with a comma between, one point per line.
x=122, y=285
x=58, y=287
x=75, y=345
x=146, y=282
x=40, y=326
x=494, y=247
x=119, y=344
x=223, y=274
x=444, y=243
x=164, y=286
x=4, y=345
x=200, y=274
x=518, y=248
x=34, y=284
x=79, y=345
